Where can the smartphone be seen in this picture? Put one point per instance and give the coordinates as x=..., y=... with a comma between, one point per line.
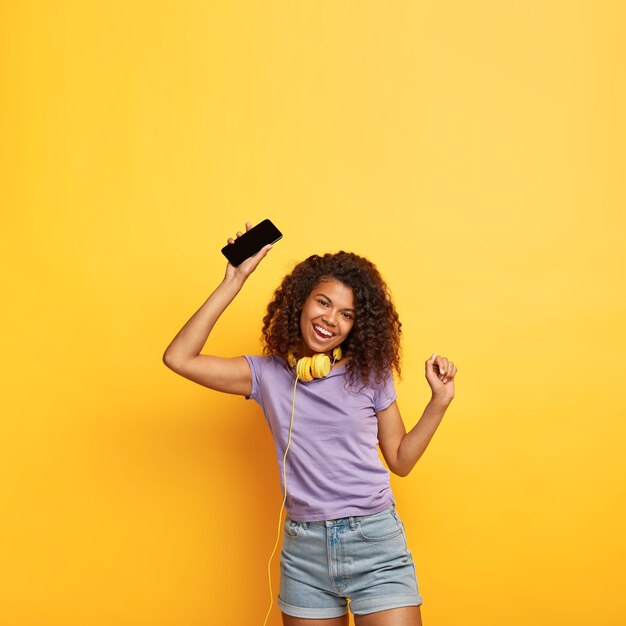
x=251, y=242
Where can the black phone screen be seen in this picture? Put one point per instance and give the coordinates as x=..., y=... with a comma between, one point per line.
x=251, y=242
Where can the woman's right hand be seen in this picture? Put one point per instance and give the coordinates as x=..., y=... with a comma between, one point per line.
x=249, y=265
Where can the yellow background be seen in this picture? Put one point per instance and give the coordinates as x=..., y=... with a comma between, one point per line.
x=473, y=150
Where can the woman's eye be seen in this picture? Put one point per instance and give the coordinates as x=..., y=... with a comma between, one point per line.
x=323, y=302
x=348, y=316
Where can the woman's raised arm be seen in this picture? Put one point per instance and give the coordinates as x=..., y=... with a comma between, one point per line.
x=230, y=375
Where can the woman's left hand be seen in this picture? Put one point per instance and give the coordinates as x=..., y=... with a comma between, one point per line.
x=440, y=376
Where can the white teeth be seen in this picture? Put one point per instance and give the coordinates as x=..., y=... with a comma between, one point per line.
x=323, y=331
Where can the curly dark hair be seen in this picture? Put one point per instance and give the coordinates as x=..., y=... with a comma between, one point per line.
x=373, y=344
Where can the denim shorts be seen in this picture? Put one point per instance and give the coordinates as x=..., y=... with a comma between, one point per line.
x=364, y=559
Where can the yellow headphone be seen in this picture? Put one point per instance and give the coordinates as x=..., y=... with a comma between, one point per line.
x=316, y=366
x=307, y=369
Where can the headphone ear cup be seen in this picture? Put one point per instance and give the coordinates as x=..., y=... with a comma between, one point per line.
x=320, y=365
x=309, y=368
x=303, y=369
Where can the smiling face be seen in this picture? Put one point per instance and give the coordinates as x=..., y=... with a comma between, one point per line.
x=327, y=317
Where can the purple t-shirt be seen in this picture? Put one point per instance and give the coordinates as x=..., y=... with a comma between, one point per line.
x=333, y=467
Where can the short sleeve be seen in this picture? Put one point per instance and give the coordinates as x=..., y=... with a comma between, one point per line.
x=385, y=393
x=256, y=367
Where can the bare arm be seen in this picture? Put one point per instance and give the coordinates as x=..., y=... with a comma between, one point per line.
x=400, y=449
x=230, y=375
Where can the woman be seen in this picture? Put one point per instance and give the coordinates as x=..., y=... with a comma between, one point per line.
x=343, y=539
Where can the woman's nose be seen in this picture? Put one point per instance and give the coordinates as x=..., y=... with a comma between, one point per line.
x=329, y=317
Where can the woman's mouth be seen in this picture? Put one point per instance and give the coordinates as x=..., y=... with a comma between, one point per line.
x=323, y=333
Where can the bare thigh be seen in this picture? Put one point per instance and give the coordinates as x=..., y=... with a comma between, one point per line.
x=403, y=616
x=288, y=620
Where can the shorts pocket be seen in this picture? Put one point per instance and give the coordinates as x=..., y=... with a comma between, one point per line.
x=379, y=527
x=291, y=528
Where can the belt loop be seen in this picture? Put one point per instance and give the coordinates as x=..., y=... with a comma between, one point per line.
x=305, y=525
x=353, y=522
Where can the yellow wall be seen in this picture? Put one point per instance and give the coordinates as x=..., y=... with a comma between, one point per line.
x=473, y=150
